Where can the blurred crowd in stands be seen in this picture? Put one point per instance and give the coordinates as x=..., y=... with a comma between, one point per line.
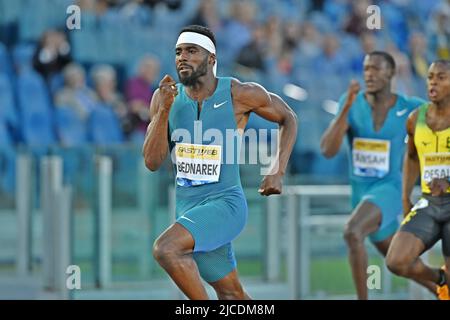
x=94, y=85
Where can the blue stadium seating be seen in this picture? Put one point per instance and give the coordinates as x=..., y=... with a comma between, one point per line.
x=22, y=56
x=7, y=160
x=37, y=130
x=104, y=127
x=70, y=129
x=122, y=39
x=32, y=93
x=8, y=112
x=5, y=61
x=35, y=17
x=6, y=141
x=35, y=109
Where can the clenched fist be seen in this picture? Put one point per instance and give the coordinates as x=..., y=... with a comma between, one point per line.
x=271, y=184
x=167, y=91
x=352, y=91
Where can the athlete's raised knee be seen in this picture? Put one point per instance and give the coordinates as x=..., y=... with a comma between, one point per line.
x=398, y=265
x=352, y=236
x=159, y=251
x=164, y=251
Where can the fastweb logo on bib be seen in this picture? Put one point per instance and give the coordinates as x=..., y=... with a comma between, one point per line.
x=370, y=157
x=436, y=166
x=198, y=162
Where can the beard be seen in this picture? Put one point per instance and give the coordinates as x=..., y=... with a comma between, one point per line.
x=192, y=80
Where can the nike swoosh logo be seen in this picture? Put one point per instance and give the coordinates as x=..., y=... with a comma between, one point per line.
x=401, y=112
x=220, y=104
x=183, y=217
x=425, y=143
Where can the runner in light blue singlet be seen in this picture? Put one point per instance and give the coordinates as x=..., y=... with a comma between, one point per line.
x=214, y=213
x=380, y=187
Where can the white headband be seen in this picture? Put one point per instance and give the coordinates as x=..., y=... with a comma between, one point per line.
x=200, y=40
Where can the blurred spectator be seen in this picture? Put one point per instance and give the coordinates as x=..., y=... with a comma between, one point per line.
x=368, y=44
x=135, y=12
x=291, y=35
x=394, y=23
x=316, y=5
x=86, y=5
x=403, y=80
x=274, y=35
x=356, y=20
x=420, y=58
x=51, y=56
x=238, y=29
x=105, y=83
x=208, y=16
x=332, y=61
x=285, y=62
x=138, y=93
x=99, y=12
x=75, y=94
x=97, y=7
x=310, y=41
x=170, y=4
x=337, y=10
x=251, y=55
x=439, y=31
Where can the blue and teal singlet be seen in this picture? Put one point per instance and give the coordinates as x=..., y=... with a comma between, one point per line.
x=377, y=157
x=210, y=203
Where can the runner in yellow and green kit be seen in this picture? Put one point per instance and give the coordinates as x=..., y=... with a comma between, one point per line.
x=428, y=153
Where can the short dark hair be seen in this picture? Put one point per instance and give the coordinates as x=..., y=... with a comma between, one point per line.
x=200, y=29
x=386, y=56
x=444, y=62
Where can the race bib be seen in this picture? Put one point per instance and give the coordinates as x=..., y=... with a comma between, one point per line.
x=197, y=164
x=436, y=166
x=371, y=157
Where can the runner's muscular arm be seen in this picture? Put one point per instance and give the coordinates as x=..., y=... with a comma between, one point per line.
x=156, y=145
x=411, y=165
x=252, y=97
x=332, y=138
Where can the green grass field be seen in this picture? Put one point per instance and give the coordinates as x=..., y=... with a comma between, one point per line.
x=329, y=275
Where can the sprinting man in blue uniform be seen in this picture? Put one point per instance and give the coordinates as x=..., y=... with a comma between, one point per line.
x=374, y=123
x=192, y=121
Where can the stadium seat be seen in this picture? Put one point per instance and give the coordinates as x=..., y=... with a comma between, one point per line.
x=8, y=112
x=104, y=127
x=5, y=61
x=38, y=129
x=35, y=111
x=5, y=137
x=32, y=93
x=22, y=56
x=34, y=19
x=70, y=129
x=7, y=160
